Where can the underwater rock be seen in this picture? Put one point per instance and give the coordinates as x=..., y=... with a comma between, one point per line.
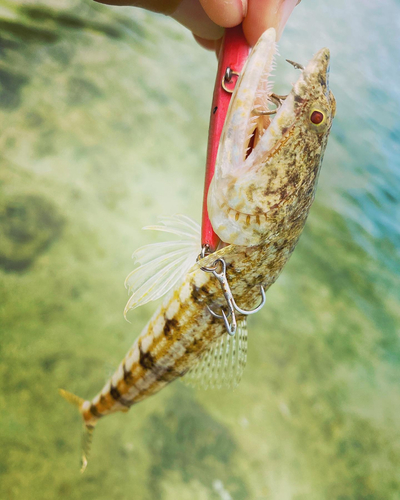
x=11, y=85
x=28, y=224
x=184, y=437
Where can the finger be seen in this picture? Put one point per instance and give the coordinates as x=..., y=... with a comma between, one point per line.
x=206, y=44
x=262, y=14
x=218, y=44
x=191, y=14
x=227, y=13
x=155, y=5
x=214, y=45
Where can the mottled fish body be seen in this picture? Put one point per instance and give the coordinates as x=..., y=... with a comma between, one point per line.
x=266, y=175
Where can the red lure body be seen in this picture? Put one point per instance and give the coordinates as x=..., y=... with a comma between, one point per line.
x=233, y=54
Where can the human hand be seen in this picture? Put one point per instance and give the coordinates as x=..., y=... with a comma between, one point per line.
x=207, y=18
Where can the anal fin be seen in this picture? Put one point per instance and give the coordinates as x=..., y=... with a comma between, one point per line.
x=87, y=436
x=87, y=432
x=222, y=366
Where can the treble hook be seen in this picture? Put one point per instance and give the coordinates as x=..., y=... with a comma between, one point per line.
x=232, y=306
x=295, y=64
x=230, y=327
x=275, y=99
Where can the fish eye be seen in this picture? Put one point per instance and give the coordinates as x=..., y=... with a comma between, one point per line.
x=317, y=117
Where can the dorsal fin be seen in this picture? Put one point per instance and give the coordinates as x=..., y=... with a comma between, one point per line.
x=223, y=364
x=160, y=266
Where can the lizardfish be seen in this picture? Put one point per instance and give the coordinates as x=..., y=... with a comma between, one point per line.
x=264, y=184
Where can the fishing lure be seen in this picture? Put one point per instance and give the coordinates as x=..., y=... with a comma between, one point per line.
x=266, y=173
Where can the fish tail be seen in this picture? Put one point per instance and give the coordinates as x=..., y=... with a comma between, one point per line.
x=87, y=432
x=71, y=398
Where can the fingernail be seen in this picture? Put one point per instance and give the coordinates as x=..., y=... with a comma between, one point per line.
x=285, y=9
x=244, y=8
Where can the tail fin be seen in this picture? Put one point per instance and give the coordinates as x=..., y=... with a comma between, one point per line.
x=87, y=433
x=71, y=398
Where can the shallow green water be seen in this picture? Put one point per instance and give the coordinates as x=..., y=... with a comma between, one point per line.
x=104, y=117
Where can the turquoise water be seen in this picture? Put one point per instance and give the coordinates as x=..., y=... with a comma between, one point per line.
x=104, y=115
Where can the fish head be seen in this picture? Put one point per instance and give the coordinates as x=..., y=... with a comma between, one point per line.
x=267, y=165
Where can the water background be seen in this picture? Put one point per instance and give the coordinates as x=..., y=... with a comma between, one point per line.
x=104, y=114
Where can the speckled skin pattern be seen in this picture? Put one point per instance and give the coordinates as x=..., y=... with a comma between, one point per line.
x=274, y=205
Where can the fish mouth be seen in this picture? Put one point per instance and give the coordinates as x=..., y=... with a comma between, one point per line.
x=244, y=123
x=267, y=128
x=259, y=126
x=257, y=118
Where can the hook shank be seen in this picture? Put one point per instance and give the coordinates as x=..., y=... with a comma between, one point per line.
x=230, y=301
